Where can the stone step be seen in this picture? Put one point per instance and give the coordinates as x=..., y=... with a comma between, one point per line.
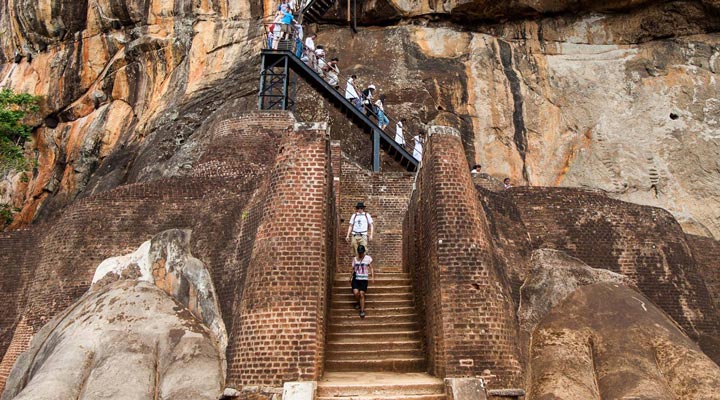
x=363, y=325
x=371, y=303
x=375, y=289
x=409, y=345
x=345, y=318
x=380, y=280
x=376, y=384
x=393, y=397
x=416, y=364
x=354, y=337
x=385, y=311
x=371, y=293
x=358, y=353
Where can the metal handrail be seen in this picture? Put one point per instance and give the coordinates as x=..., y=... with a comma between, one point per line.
x=292, y=46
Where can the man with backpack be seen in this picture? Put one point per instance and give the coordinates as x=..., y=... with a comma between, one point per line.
x=361, y=223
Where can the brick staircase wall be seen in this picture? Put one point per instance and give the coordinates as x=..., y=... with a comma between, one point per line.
x=706, y=252
x=463, y=296
x=222, y=199
x=281, y=325
x=386, y=198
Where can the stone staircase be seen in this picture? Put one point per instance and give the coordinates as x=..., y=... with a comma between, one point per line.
x=381, y=356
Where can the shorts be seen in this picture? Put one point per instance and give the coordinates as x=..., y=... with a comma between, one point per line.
x=285, y=28
x=360, y=285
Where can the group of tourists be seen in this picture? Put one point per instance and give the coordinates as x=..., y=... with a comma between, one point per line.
x=286, y=29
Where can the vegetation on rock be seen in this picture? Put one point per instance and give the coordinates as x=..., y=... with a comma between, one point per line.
x=13, y=132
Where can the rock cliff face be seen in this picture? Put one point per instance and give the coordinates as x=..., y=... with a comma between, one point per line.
x=613, y=95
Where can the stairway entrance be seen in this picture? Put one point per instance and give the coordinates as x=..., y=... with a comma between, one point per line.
x=382, y=355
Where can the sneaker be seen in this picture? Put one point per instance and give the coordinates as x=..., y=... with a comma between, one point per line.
x=357, y=306
x=362, y=314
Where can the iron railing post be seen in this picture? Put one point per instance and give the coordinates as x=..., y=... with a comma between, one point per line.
x=376, y=151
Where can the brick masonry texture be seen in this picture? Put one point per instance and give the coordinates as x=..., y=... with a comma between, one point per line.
x=706, y=252
x=226, y=199
x=281, y=329
x=386, y=199
x=461, y=291
x=644, y=243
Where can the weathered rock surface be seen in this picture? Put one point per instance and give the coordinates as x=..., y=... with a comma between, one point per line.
x=613, y=95
x=554, y=276
x=595, y=101
x=128, y=340
x=607, y=341
x=125, y=84
x=149, y=326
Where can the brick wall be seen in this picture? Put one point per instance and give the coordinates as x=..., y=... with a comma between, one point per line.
x=644, y=243
x=386, y=198
x=281, y=316
x=463, y=295
x=223, y=199
x=706, y=252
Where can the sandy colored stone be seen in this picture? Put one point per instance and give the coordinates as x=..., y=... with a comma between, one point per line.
x=554, y=275
x=129, y=340
x=608, y=341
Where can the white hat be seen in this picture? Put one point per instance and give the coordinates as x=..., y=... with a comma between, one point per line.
x=371, y=87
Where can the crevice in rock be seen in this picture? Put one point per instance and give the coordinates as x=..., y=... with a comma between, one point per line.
x=520, y=136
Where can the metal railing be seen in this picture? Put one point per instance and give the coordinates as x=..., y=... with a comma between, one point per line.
x=275, y=39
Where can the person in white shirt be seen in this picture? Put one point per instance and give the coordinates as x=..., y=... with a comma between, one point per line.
x=399, y=138
x=310, y=49
x=361, y=223
x=333, y=71
x=418, y=149
x=362, y=271
x=351, y=93
x=506, y=183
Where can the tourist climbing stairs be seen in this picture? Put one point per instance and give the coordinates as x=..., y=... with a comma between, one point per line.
x=275, y=94
x=380, y=356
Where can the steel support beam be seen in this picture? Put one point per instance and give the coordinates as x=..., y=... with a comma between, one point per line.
x=376, y=151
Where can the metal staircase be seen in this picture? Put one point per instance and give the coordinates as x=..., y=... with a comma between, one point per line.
x=313, y=11
x=277, y=92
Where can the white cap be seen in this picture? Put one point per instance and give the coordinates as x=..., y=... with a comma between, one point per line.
x=371, y=87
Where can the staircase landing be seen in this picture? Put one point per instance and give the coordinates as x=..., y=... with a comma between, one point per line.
x=380, y=386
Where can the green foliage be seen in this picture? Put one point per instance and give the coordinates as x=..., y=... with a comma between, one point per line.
x=6, y=214
x=13, y=132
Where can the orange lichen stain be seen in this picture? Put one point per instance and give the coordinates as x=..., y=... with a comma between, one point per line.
x=570, y=156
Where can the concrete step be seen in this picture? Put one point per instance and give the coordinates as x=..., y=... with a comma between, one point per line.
x=387, y=364
x=343, y=280
x=394, y=397
x=355, y=337
x=375, y=384
x=376, y=289
x=372, y=295
x=358, y=353
x=384, y=311
x=345, y=318
x=363, y=325
x=371, y=303
x=379, y=346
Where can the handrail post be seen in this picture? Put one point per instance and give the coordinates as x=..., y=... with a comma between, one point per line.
x=376, y=150
x=261, y=93
x=286, y=82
